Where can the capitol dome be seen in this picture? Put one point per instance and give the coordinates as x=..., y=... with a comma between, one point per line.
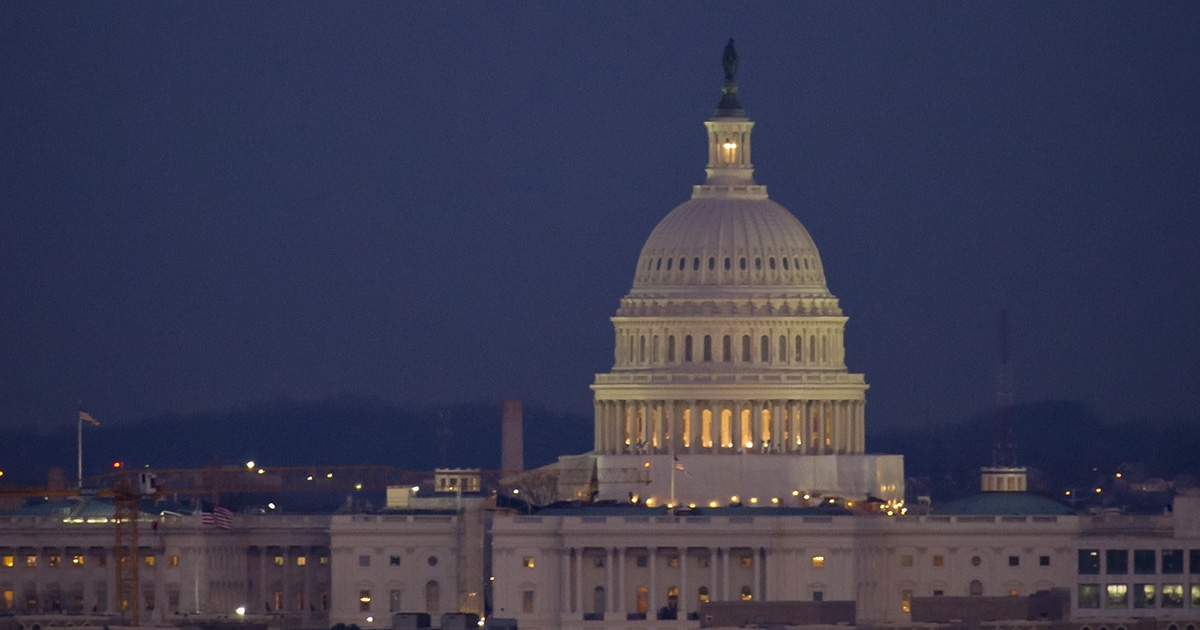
x=730, y=242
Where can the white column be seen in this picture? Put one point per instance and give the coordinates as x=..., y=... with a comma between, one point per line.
x=579, y=606
x=674, y=433
x=806, y=421
x=620, y=580
x=622, y=427
x=754, y=566
x=714, y=425
x=862, y=427
x=610, y=580
x=714, y=588
x=564, y=580
x=683, y=585
x=778, y=437
x=724, y=574
x=652, y=592
x=693, y=424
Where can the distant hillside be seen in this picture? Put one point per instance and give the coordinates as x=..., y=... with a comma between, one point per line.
x=1062, y=441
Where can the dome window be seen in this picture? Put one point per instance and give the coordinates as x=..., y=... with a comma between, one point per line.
x=771, y=263
x=681, y=263
x=742, y=263
x=696, y=264
x=658, y=265
x=727, y=264
x=758, y=264
x=806, y=263
x=796, y=263
x=785, y=264
x=712, y=263
x=708, y=348
x=669, y=261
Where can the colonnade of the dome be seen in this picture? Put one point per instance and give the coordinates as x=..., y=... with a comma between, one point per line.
x=809, y=427
x=647, y=343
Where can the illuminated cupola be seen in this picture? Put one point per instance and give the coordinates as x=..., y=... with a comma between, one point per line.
x=729, y=132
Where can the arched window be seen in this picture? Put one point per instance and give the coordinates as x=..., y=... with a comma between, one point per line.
x=654, y=349
x=758, y=264
x=727, y=265
x=976, y=588
x=785, y=264
x=702, y=595
x=696, y=264
x=742, y=263
x=670, y=348
x=433, y=597
x=642, y=349
x=643, y=599
x=771, y=263
x=746, y=349
x=681, y=263
x=806, y=263
x=812, y=348
x=599, y=601
x=782, y=349
x=746, y=434
x=687, y=348
x=631, y=355
x=824, y=348
x=706, y=432
x=670, y=261
x=658, y=265
x=707, y=348
x=726, y=428
x=764, y=349
x=712, y=263
x=727, y=348
x=747, y=594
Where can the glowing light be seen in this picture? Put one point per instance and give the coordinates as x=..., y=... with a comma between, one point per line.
x=1097, y=490
x=329, y=475
x=807, y=496
x=733, y=499
x=633, y=499
x=651, y=501
x=117, y=464
x=416, y=488
x=692, y=506
x=890, y=513
x=1068, y=493
x=271, y=506
x=1, y=473
x=240, y=610
x=754, y=499
x=516, y=491
x=491, y=578
x=849, y=504
x=730, y=145
x=1118, y=475
x=645, y=464
x=261, y=471
x=904, y=510
x=370, y=619
x=795, y=493
x=749, y=444
x=250, y=464
x=775, y=500
x=309, y=478
x=712, y=504
x=481, y=621
x=358, y=486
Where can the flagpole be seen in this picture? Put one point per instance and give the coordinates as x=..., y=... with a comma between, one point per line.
x=79, y=449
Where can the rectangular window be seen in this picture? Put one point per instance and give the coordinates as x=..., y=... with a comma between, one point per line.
x=301, y=561
x=527, y=562
x=1194, y=561
x=818, y=596
x=394, y=601
x=394, y=561
x=642, y=561
x=364, y=600
x=77, y=560
x=7, y=561
x=31, y=561
x=149, y=560
x=1172, y=561
x=7, y=601
x=1116, y=561
x=1143, y=561
x=173, y=599
x=1195, y=596
x=818, y=562
x=1014, y=561
x=55, y=559
x=1089, y=596
x=938, y=592
x=939, y=561
x=906, y=600
x=1117, y=596
x=1172, y=596
x=277, y=600
x=364, y=561
x=173, y=561
x=277, y=561
x=322, y=559
x=1043, y=561
x=1143, y=596
x=527, y=601
x=673, y=562
x=906, y=560
x=747, y=561
x=1089, y=562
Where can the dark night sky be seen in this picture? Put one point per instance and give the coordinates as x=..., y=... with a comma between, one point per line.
x=207, y=205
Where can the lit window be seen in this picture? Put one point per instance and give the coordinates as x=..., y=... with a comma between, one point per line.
x=1014, y=561
x=747, y=561
x=77, y=560
x=906, y=600
x=277, y=561
x=173, y=561
x=301, y=561
x=1143, y=595
x=322, y=560
x=1117, y=596
x=906, y=560
x=1012, y=592
x=55, y=560
x=149, y=560
x=527, y=562
x=31, y=561
x=818, y=562
x=1172, y=596
x=7, y=561
x=364, y=600
x=747, y=594
x=673, y=562
x=939, y=561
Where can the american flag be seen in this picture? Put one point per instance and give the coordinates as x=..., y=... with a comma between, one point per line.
x=678, y=465
x=220, y=517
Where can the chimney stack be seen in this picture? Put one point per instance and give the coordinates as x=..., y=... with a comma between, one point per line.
x=512, y=443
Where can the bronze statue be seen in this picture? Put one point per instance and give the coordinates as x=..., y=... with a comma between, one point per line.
x=729, y=60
